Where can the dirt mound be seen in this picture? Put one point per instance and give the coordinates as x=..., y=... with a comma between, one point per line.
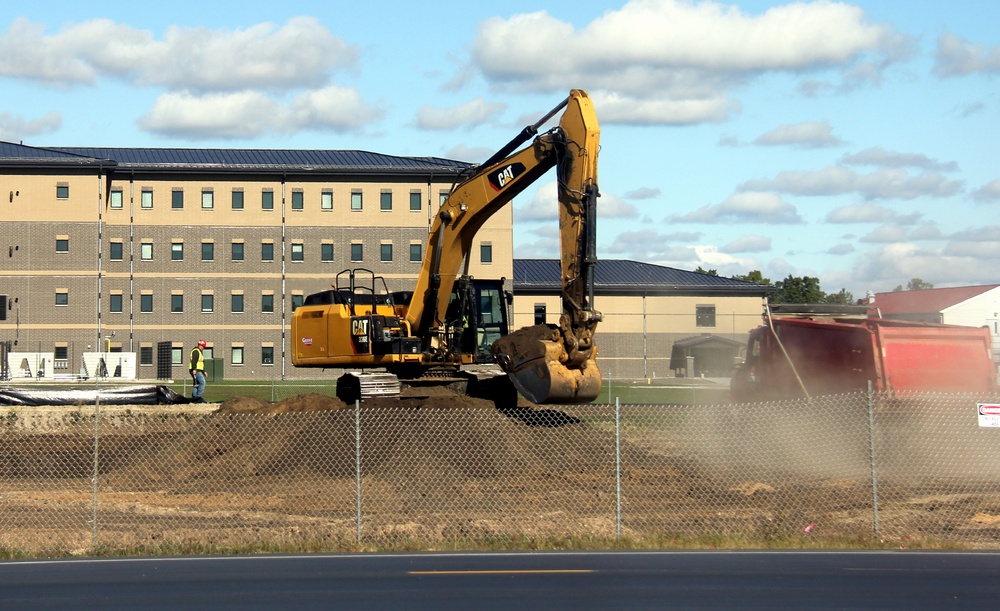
x=411, y=443
x=311, y=402
x=409, y=397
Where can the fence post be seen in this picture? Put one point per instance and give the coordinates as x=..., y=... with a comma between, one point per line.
x=871, y=457
x=97, y=448
x=618, y=468
x=357, y=465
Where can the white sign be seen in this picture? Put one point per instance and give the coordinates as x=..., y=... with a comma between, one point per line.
x=989, y=415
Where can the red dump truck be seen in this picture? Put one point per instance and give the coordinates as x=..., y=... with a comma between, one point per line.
x=820, y=352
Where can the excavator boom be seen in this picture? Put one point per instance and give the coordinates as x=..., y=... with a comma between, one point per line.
x=548, y=364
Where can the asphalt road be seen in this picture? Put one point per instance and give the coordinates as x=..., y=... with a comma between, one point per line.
x=541, y=580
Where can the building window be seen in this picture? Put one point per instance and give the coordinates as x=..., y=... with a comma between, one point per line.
x=236, y=355
x=297, y=300
x=267, y=302
x=62, y=244
x=298, y=200
x=207, y=302
x=115, y=302
x=267, y=251
x=442, y=198
x=237, y=200
x=177, y=199
x=415, y=203
x=236, y=303
x=117, y=200
x=62, y=297
x=177, y=251
x=326, y=252
x=177, y=303
x=385, y=201
x=207, y=200
x=145, y=303
x=326, y=200
x=208, y=251
x=62, y=191
x=117, y=251
x=356, y=201
x=385, y=253
x=704, y=315
x=416, y=252
x=357, y=252
x=237, y=251
x=298, y=251
x=176, y=355
x=146, y=199
x=486, y=253
x=146, y=251
x=145, y=355
x=267, y=200
x=539, y=313
x=267, y=355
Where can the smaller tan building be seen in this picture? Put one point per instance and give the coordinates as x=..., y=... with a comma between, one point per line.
x=647, y=309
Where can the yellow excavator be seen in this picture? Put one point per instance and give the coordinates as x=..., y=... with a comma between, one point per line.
x=451, y=320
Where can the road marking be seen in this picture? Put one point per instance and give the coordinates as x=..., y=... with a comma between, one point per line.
x=502, y=572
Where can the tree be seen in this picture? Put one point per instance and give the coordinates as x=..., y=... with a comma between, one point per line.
x=798, y=290
x=707, y=272
x=754, y=276
x=843, y=296
x=915, y=284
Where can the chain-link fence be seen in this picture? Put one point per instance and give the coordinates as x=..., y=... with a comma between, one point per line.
x=851, y=468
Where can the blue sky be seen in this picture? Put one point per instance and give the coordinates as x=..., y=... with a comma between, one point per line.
x=855, y=142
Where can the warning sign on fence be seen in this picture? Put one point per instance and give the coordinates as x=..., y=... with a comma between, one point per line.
x=989, y=415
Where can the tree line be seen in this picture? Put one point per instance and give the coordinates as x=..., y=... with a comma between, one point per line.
x=807, y=289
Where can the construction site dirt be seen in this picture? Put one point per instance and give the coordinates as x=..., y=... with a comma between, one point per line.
x=425, y=470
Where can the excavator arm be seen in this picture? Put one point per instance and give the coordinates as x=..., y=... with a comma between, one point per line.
x=547, y=363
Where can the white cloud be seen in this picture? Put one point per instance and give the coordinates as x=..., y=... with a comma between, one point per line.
x=897, y=263
x=248, y=114
x=650, y=245
x=544, y=206
x=886, y=183
x=222, y=83
x=468, y=115
x=868, y=212
x=810, y=134
x=14, y=128
x=956, y=57
x=746, y=207
x=988, y=193
x=643, y=193
x=675, y=62
x=748, y=243
x=840, y=249
x=878, y=156
x=300, y=53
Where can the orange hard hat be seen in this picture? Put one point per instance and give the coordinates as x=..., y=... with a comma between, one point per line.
x=202, y=343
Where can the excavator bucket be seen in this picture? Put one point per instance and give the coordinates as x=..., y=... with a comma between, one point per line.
x=534, y=358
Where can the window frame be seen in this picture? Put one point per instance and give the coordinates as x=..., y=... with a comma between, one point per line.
x=704, y=314
x=237, y=200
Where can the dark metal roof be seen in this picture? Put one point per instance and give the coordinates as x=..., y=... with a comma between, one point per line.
x=624, y=277
x=234, y=160
x=12, y=154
